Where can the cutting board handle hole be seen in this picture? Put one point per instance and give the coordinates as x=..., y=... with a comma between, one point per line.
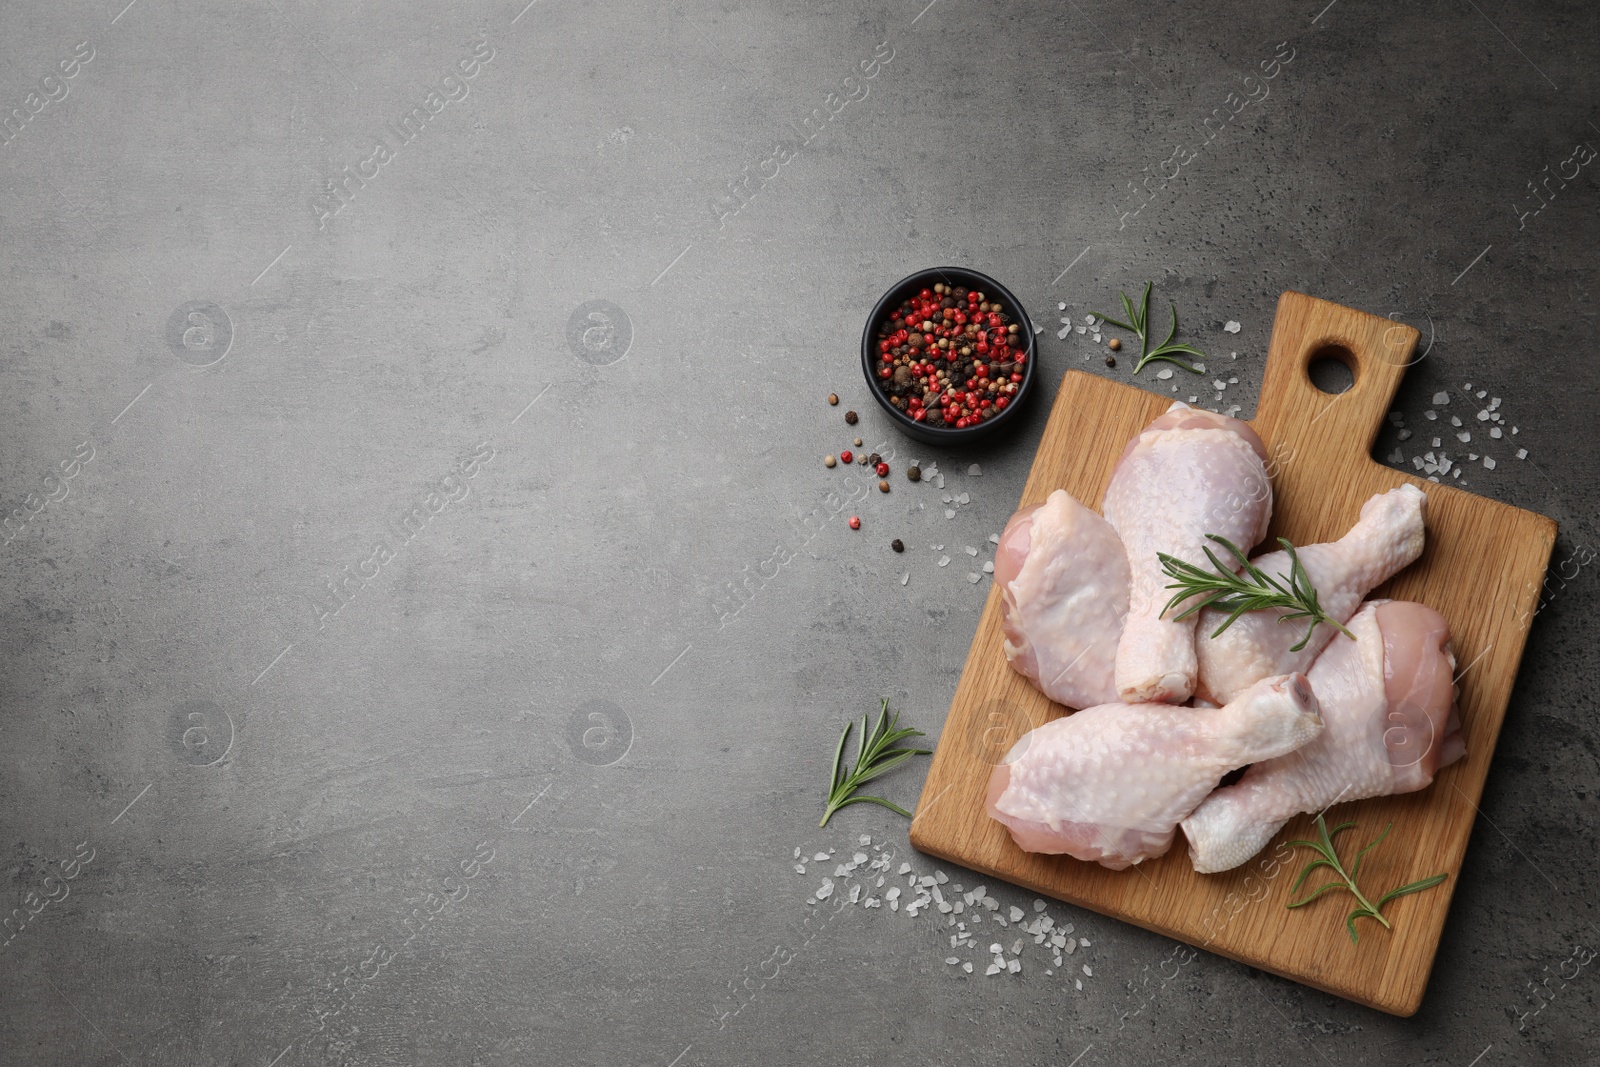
x=1332, y=368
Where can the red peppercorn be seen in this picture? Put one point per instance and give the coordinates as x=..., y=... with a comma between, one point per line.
x=920, y=415
x=1016, y=377
x=1001, y=402
x=845, y=456
x=926, y=295
x=855, y=522
x=882, y=469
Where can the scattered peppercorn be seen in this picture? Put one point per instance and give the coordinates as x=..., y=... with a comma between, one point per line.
x=1111, y=361
x=914, y=473
x=883, y=487
x=1114, y=344
x=855, y=522
x=863, y=459
x=845, y=457
x=874, y=459
x=828, y=461
x=898, y=545
x=851, y=417
x=833, y=398
x=858, y=442
x=882, y=469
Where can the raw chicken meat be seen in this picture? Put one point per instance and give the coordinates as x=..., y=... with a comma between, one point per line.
x=1063, y=580
x=1387, y=538
x=1188, y=474
x=1110, y=783
x=1388, y=700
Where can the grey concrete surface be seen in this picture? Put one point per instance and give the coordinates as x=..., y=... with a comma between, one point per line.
x=526, y=788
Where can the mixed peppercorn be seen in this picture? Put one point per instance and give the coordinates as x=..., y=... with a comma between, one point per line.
x=950, y=358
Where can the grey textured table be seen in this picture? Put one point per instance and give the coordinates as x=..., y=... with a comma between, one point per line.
x=427, y=621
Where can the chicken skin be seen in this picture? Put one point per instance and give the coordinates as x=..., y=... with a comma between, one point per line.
x=1188, y=474
x=1110, y=783
x=1387, y=538
x=1388, y=701
x=1063, y=578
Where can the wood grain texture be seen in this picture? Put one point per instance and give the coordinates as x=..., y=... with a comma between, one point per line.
x=1481, y=569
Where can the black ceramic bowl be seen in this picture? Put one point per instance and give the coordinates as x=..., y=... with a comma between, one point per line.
x=995, y=292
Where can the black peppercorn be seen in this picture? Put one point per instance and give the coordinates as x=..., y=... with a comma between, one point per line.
x=914, y=473
x=1111, y=361
x=898, y=545
x=851, y=417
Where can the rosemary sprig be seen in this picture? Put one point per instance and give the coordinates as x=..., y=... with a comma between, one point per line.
x=875, y=755
x=1139, y=323
x=1347, y=880
x=1254, y=590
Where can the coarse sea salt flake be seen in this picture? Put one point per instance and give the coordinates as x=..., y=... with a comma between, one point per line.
x=1164, y=373
x=1015, y=966
x=1441, y=398
x=1088, y=971
x=992, y=969
x=904, y=578
x=1465, y=437
x=1430, y=415
x=1494, y=432
x=1015, y=914
x=944, y=561
x=949, y=513
x=905, y=868
x=820, y=856
x=1488, y=462
x=1522, y=453
x=988, y=566
x=1403, y=434
x=967, y=967
x=1230, y=326
x=971, y=551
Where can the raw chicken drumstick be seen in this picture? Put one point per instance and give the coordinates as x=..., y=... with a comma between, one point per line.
x=1110, y=783
x=1387, y=538
x=1063, y=580
x=1188, y=474
x=1388, y=700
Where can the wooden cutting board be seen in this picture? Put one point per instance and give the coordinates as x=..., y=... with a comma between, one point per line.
x=1482, y=569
